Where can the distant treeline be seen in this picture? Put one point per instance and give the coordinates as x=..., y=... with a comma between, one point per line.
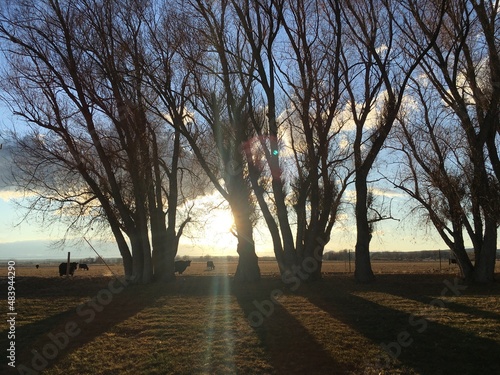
x=398, y=255
x=342, y=255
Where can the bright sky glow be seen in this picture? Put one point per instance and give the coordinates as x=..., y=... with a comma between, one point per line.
x=210, y=231
x=210, y=234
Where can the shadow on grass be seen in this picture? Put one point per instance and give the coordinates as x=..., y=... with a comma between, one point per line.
x=44, y=343
x=50, y=288
x=425, y=346
x=290, y=348
x=477, y=291
x=27, y=336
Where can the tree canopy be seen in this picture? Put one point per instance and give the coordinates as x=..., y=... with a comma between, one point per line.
x=282, y=106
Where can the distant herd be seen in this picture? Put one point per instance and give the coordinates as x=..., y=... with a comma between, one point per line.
x=73, y=266
x=180, y=266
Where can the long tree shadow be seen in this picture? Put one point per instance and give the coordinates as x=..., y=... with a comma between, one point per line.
x=53, y=287
x=42, y=344
x=290, y=347
x=456, y=289
x=426, y=346
x=455, y=306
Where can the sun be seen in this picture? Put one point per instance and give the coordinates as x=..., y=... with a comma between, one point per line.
x=216, y=225
x=222, y=220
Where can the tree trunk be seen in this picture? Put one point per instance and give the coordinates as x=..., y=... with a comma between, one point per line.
x=168, y=241
x=363, y=269
x=276, y=239
x=163, y=261
x=126, y=258
x=466, y=268
x=290, y=256
x=142, y=238
x=315, y=274
x=122, y=246
x=254, y=175
x=147, y=274
x=248, y=267
x=164, y=249
x=313, y=260
x=484, y=270
x=137, y=257
x=141, y=249
x=271, y=225
x=124, y=252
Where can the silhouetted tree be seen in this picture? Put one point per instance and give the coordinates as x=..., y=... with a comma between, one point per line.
x=76, y=77
x=376, y=68
x=460, y=159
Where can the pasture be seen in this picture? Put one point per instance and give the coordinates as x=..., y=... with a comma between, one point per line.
x=417, y=318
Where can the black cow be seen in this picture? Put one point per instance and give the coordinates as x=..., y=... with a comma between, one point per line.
x=83, y=266
x=37, y=266
x=210, y=265
x=72, y=267
x=452, y=261
x=181, y=265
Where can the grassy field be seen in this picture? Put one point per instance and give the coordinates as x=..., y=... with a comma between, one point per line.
x=417, y=318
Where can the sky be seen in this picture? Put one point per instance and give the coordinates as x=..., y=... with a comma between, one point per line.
x=209, y=234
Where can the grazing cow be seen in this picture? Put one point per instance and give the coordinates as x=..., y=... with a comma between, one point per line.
x=210, y=265
x=83, y=266
x=37, y=266
x=452, y=261
x=72, y=267
x=181, y=265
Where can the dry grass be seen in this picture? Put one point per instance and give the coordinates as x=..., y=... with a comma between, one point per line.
x=228, y=268
x=199, y=324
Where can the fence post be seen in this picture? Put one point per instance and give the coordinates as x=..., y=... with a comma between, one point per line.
x=67, y=264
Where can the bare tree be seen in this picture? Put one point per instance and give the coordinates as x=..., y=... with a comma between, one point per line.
x=76, y=75
x=202, y=84
x=260, y=26
x=376, y=68
x=463, y=69
x=295, y=162
x=487, y=93
x=434, y=170
x=43, y=71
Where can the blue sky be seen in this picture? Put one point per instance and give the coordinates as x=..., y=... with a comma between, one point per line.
x=209, y=234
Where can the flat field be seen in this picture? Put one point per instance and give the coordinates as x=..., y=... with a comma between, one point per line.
x=417, y=318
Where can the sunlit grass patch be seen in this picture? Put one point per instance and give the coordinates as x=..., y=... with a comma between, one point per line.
x=174, y=334
x=200, y=325
x=335, y=336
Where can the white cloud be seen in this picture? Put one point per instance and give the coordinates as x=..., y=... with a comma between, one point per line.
x=8, y=195
x=345, y=117
x=387, y=193
x=382, y=49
